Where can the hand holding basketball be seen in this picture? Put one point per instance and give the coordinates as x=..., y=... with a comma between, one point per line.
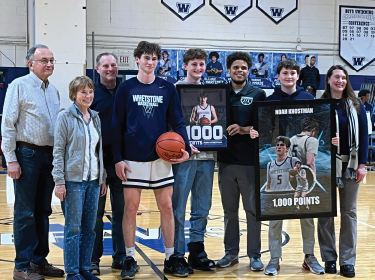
x=293, y=172
x=184, y=157
x=170, y=145
x=204, y=121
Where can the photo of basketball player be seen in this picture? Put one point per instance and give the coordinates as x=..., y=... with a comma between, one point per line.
x=203, y=113
x=302, y=183
x=305, y=145
x=278, y=178
x=214, y=68
x=165, y=64
x=260, y=69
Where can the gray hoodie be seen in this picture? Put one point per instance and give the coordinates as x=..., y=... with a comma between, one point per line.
x=69, y=149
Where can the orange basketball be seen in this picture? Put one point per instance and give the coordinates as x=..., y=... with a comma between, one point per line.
x=204, y=121
x=293, y=172
x=169, y=146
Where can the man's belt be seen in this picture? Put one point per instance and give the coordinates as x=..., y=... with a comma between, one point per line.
x=21, y=144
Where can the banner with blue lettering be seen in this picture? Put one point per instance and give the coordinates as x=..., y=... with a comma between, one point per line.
x=357, y=36
x=233, y=9
x=183, y=8
x=277, y=10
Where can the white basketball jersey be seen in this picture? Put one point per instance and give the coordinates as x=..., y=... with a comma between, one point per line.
x=204, y=113
x=300, y=145
x=300, y=181
x=278, y=174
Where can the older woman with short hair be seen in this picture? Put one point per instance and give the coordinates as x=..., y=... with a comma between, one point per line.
x=79, y=176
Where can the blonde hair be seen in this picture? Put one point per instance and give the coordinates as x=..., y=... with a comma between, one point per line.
x=78, y=83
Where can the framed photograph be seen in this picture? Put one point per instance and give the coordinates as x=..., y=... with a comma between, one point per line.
x=206, y=112
x=295, y=169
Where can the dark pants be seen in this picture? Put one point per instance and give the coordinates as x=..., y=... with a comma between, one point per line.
x=32, y=207
x=236, y=180
x=348, y=227
x=117, y=202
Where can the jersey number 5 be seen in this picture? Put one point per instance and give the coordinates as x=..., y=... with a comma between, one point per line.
x=279, y=177
x=294, y=151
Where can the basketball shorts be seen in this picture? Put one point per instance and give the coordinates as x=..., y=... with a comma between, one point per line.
x=155, y=174
x=302, y=188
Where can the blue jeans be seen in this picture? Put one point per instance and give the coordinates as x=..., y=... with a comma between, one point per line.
x=32, y=207
x=81, y=204
x=195, y=176
x=117, y=203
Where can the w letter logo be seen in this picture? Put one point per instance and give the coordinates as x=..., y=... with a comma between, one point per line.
x=277, y=12
x=230, y=10
x=358, y=61
x=183, y=7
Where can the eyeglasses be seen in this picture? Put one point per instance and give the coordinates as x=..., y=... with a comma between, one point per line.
x=280, y=145
x=45, y=61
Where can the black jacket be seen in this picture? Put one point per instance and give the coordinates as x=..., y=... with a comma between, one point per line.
x=309, y=76
x=103, y=103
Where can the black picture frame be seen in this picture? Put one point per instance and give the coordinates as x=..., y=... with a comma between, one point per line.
x=218, y=97
x=281, y=117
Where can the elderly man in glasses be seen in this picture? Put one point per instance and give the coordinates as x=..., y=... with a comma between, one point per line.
x=30, y=110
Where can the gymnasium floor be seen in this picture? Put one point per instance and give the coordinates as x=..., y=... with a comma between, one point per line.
x=149, y=240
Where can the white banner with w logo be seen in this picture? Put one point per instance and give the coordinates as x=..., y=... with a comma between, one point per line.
x=183, y=8
x=232, y=9
x=357, y=36
x=277, y=10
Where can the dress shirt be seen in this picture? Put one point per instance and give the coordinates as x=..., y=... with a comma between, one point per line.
x=29, y=115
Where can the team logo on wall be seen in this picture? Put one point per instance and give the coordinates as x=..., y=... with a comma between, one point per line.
x=233, y=9
x=357, y=36
x=277, y=10
x=183, y=8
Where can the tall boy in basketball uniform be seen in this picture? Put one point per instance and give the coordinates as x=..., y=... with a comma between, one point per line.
x=288, y=73
x=143, y=106
x=195, y=176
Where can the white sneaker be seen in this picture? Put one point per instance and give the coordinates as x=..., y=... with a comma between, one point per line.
x=273, y=267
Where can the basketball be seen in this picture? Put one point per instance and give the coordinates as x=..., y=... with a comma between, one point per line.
x=293, y=172
x=204, y=121
x=169, y=146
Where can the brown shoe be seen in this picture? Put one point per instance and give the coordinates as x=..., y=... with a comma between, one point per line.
x=48, y=270
x=26, y=275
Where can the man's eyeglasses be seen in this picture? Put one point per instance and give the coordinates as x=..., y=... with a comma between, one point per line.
x=45, y=61
x=280, y=145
